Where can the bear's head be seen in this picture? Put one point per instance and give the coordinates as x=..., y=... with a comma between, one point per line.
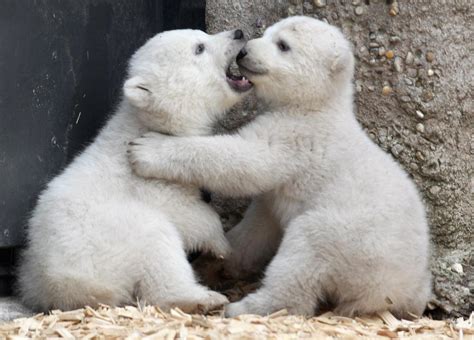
x=179, y=84
x=299, y=61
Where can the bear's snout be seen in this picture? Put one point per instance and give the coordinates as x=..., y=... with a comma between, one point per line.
x=242, y=53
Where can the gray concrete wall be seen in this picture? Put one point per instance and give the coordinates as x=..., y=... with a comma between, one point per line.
x=414, y=80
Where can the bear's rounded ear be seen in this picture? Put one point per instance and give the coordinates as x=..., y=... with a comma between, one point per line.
x=136, y=92
x=342, y=60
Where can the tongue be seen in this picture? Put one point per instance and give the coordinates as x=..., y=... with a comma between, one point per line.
x=240, y=83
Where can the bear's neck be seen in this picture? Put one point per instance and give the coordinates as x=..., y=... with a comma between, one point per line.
x=127, y=124
x=340, y=102
x=337, y=104
x=122, y=127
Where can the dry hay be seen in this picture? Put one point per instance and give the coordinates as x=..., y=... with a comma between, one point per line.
x=151, y=323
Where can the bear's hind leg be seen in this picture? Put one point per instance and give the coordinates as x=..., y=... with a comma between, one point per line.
x=167, y=278
x=292, y=280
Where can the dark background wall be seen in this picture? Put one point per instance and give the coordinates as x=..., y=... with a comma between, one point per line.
x=62, y=63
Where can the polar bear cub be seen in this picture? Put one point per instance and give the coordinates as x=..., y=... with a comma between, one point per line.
x=99, y=234
x=354, y=230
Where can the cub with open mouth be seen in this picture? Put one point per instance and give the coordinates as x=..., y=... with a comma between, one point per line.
x=100, y=234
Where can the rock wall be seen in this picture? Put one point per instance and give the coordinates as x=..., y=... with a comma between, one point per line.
x=414, y=79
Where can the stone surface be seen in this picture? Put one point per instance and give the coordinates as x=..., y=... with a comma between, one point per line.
x=412, y=57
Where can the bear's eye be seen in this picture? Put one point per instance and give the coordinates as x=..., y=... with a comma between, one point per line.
x=199, y=49
x=283, y=46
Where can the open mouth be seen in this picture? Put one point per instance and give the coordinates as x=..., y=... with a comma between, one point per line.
x=237, y=81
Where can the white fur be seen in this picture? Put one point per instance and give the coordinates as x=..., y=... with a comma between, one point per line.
x=354, y=228
x=99, y=234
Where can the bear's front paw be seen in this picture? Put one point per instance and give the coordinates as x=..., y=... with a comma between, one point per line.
x=210, y=301
x=139, y=163
x=141, y=155
x=219, y=247
x=214, y=301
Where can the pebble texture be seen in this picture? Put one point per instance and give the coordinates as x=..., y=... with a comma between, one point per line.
x=414, y=79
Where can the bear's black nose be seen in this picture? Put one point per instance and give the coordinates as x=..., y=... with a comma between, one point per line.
x=242, y=53
x=238, y=35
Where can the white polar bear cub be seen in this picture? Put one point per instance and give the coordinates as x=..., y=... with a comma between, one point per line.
x=99, y=234
x=354, y=228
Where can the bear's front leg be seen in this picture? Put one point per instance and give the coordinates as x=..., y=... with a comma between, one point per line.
x=201, y=229
x=253, y=241
x=230, y=164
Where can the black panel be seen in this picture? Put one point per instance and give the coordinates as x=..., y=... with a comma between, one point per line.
x=184, y=14
x=62, y=63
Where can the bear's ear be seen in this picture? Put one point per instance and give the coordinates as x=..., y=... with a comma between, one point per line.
x=137, y=93
x=342, y=60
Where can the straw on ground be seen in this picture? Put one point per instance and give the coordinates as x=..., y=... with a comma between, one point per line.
x=151, y=323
